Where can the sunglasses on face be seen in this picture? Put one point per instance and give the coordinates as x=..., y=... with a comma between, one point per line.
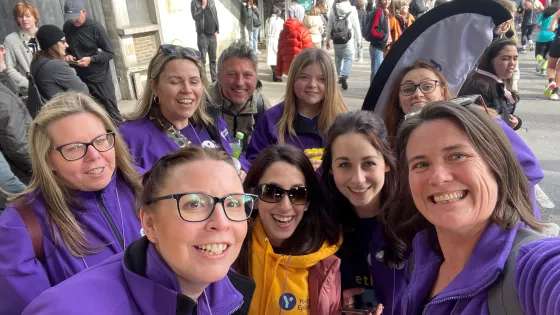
x=272, y=193
x=461, y=101
x=180, y=51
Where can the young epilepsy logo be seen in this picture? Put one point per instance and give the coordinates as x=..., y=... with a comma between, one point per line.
x=287, y=301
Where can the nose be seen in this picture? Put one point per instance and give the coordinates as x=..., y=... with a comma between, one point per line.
x=187, y=88
x=218, y=220
x=285, y=203
x=91, y=154
x=440, y=175
x=358, y=176
x=418, y=92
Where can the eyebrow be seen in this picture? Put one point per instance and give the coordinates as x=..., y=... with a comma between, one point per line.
x=446, y=149
x=344, y=158
x=282, y=186
x=421, y=80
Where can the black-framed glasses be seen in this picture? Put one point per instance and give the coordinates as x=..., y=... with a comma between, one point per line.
x=427, y=87
x=77, y=150
x=272, y=193
x=180, y=51
x=198, y=206
x=461, y=101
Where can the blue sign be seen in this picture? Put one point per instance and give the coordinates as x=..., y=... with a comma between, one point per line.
x=287, y=301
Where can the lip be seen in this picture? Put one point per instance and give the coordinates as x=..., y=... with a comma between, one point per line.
x=431, y=197
x=281, y=225
x=96, y=175
x=358, y=194
x=213, y=257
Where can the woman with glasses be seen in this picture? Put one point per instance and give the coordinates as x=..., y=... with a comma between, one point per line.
x=79, y=208
x=194, y=214
x=172, y=113
x=291, y=245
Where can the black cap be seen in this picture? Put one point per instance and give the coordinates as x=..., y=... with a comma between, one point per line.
x=48, y=35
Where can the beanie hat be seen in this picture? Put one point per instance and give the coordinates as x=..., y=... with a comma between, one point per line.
x=48, y=35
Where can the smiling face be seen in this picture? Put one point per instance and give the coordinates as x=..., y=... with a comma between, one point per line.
x=26, y=21
x=418, y=99
x=505, y=62
x=451, y=184
x=358, y=169
x=280, y=220
x=179, y=242
x=238, y=80
x=60, y=47
x=93, y=172
x=179, y=90
x=309, y=86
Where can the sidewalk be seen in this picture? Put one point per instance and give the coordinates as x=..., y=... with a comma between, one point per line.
x=358, y=83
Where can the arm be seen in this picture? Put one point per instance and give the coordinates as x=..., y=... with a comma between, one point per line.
x=196, y=10
x=13, y=138
x=375, y=24
x=279, y=53
x=11, y=63
x=356, y=26
x=537, y=276
x=22, y=277
x=260, y=139
x=306, y=40
x=8, y=181
x=67, y=78
x=330, y=24
x=552, y=26
x=106, y=52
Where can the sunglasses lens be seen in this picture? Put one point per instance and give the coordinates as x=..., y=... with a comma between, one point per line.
x=298, y=195
x=271, y=193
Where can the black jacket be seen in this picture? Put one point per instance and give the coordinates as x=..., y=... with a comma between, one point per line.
x=14, y=123
x=90, y=40
x=198, y=14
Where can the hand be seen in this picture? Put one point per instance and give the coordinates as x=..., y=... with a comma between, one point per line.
x=204, y=3
x=513, y=121
x=84, y=62
x=69, y=58
x=358, y=44
x=242, y=175
x=348, y=300
x=316, y=159
x=328, y=45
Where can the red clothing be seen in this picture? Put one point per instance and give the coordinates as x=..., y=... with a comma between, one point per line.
x=293, y=38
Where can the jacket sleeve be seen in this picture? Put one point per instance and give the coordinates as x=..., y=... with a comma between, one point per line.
x=11, y=68
x=260, y=139
x=67, y=78
x=356, y=25
x=8, y=180
x=537, y=277
x=330, y=22
x=306, y=40
x=280, y=53
x=13, y=135
x=375, y=24
x=106, y=51
x=196, y=10
x=22, y=277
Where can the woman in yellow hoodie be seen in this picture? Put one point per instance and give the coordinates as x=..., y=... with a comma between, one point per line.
x=291, y=244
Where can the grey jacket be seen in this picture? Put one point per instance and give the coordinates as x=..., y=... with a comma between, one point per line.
x=53, y=76
x=249, y=15
x=418, y=7
x=197, y=13
x=14, y=123
x=18, y=58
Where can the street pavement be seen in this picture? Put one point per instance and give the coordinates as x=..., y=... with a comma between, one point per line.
x=541, y=119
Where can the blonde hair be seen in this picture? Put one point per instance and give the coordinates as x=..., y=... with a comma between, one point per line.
x=331, y=105
x=157, y=66
x=57, y=197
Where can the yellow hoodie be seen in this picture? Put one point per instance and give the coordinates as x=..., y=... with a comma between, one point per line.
x=281, y=291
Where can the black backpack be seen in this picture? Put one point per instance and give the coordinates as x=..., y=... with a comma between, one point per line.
x=341, y=33
x=35, y=99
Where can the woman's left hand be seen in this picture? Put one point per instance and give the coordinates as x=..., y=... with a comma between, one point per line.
x=512, y=122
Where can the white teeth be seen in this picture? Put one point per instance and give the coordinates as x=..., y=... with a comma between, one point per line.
x=282, y=219
x=96, y=171
x=188, y=101
x=359, y=190
x=212, y=249
x=444, y=198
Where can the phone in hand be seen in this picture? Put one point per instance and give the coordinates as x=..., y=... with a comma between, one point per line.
x=364, y=303
x=72, y=62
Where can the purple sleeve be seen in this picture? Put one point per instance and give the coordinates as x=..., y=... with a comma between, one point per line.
x=226, y=140
x=22, y=277
x=261, y=137
x=537, y=277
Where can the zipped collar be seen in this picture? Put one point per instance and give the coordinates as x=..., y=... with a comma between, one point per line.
x=507, y=93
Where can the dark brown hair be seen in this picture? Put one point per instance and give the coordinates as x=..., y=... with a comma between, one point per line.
x=513, y=205
x=485, y=61
x=317, y=225
x=394, y=113
x=372, y=127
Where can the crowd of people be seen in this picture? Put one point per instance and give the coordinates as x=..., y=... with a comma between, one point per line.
x=429, y=208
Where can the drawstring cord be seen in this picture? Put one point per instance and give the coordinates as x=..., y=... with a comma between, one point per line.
x=285, y=279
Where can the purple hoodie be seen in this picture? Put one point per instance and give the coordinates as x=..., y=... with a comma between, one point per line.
x=528, y=162
x=266, y=132
x=148, y=143
x=23, y=277
x=537, y=276
x=139, y=281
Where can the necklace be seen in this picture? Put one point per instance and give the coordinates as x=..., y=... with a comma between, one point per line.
x=196, y=134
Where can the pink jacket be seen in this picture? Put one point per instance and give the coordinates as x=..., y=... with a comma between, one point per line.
x=325, y=287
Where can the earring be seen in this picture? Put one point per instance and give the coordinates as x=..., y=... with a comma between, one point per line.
x=156, y=99
x=153, y=240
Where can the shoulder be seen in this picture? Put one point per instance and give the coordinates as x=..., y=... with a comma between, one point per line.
x=12, y=39
x=275, y=112
x=130, y=129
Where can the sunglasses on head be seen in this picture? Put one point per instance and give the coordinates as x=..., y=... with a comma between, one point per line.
x=180, y=51
x=461, y=101
x=272, y=193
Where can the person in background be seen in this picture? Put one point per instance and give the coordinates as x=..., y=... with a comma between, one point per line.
x=552, y=71
x=311, y=103
x=90, y=51
x=237, y=96
x=294, y=38
x=531, y=8
x=290, y=249
x=381, y=34
x=194, y=214
x=545, y=36
x=322, y=6
x=370, y=6
x=508, y=30
x=51, y=73
x=21, y=45
x=314, y=23
x=399, y=20
x=344, y=53
x=207, y=24
x=359, y=173
x=461, y=211
x=82, y=198
x=252, y=18
x=361, y=8
x=419, y=7
x=172, y=113
x=273, y=27
x=9, y=183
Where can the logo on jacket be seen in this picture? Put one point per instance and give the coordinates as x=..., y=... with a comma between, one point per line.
x=209, y=144
x=287, y=301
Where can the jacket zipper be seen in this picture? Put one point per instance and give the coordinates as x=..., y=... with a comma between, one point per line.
x=236, y=309
x=110, y=220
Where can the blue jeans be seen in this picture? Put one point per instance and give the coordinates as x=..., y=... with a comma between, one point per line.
x=344, y=57
x=376, y=56
x=254, y=39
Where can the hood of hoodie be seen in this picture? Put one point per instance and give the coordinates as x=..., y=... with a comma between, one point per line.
x=296, y=11
x=292, y=25
x=342, y=8
x=282, y=280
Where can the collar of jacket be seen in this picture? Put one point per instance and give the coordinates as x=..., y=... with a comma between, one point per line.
x=153, y=284
x=481, y=270
x=507, y=93
x=108, y=190
x=302, y=126
x=217, y=99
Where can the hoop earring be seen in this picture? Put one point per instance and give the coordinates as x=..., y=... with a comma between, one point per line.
x=156, y=99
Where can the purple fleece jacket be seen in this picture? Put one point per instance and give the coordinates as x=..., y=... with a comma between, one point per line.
x=266, y=132
x=23, y=277
x=148, y=144
x=137, y=282
x=537, y=276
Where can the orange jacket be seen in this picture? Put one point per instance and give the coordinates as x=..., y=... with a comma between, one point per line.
x=396, y=30
x=293, y=38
